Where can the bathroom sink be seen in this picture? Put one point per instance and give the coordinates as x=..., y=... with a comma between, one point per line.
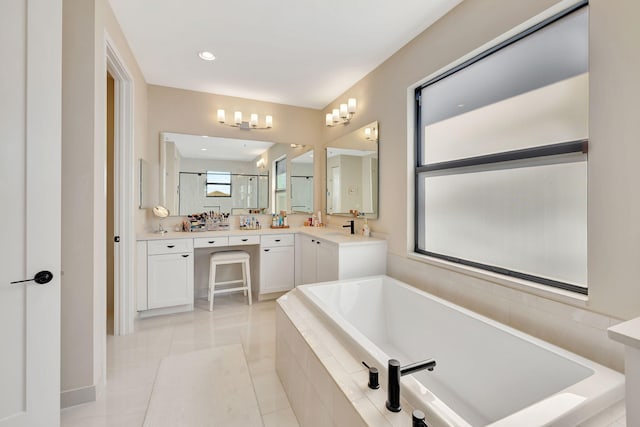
x=336, y=233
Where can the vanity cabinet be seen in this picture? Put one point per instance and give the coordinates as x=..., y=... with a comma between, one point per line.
x=322, y=260
x=277, y=256
x=319, y=260
x=169, y=273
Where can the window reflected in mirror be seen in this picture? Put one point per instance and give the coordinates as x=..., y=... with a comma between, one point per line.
x=280, y=192
x=302, y=182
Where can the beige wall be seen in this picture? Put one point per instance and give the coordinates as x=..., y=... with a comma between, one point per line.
x=86, y=25
x=183, y=111
x=78, y=98
x=614, y=201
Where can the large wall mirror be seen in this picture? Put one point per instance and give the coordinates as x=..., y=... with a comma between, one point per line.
x=352, y=173
x=201, y=174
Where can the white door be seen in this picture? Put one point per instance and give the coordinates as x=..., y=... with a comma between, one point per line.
x=30, y=108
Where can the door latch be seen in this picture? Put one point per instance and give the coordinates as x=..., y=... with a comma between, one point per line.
x=41, y=278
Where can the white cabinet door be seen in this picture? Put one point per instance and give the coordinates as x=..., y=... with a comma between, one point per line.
x=170, y=280
x=326, y=261
x=276, y=269
x=30, y=84
x=309, y=260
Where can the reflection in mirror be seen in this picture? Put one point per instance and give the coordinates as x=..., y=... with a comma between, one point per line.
x=302, y=182
x=201, y=174
x=280, y=190
x=352, y=173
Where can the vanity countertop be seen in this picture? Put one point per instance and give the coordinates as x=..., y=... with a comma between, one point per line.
x=628, y=333
x=336, y=235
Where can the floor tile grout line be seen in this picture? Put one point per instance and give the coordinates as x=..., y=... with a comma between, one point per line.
x=155, y=377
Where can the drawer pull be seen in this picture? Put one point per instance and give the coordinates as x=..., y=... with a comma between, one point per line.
x=313, y=240
x=277, y=240
x=318, y=242
x=244, y=240
x=267, y=250
x=171, y=246
x=185, y=255
x=211, y=241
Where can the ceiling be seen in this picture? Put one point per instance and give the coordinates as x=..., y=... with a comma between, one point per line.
x=208, y=147
x=303, y=53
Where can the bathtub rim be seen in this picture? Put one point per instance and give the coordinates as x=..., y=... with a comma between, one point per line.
x=594, y=401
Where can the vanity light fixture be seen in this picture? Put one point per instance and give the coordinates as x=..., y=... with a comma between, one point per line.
x=260, y=164
x=239, y=123
x=343, y=114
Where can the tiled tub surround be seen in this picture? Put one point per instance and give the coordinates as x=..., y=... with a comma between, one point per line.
x=325, y=384
x=582, y=390
x=628, y=333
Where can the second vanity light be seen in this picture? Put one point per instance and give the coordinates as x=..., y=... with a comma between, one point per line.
x=244, y=125
x=343, y=114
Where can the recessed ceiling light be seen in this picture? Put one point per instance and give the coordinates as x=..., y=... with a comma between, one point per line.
x=460, y=105
x=203, y=149
x=207, y=56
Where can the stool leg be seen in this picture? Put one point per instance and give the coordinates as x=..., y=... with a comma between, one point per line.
x=247, y=273
x=244, y=277
x=212, y=284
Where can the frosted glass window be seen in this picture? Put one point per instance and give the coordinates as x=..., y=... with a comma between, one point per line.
x=530, y=219
x=501, y=170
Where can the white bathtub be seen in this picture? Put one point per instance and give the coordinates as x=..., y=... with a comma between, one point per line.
x=486, y=373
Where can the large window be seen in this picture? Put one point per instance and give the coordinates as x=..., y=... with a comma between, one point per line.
x=501, y=163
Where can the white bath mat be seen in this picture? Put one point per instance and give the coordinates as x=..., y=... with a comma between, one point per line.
x=204, y=388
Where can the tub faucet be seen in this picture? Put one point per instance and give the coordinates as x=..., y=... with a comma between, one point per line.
x=418, y=419
x=350, y=226
x=395, y=372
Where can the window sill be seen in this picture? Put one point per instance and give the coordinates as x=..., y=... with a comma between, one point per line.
x=521, y=285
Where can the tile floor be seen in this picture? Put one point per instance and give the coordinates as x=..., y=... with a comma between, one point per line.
x=133, y=361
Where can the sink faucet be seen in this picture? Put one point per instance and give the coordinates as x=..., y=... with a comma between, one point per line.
x=395, y=372
x=350, y=226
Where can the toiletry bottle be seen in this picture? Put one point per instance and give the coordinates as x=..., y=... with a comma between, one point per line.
x=285, y=223
x=366, y=232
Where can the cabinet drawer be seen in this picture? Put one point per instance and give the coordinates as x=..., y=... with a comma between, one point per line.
x=169, y=246
x=273, y=240
x=210, y=242
x=244, y=240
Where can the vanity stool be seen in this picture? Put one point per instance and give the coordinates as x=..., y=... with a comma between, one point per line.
x=229, y=257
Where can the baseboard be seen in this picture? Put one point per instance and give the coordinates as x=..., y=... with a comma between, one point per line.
x=77, y=396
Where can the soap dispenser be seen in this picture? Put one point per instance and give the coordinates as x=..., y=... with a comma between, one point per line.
x=366, y=232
